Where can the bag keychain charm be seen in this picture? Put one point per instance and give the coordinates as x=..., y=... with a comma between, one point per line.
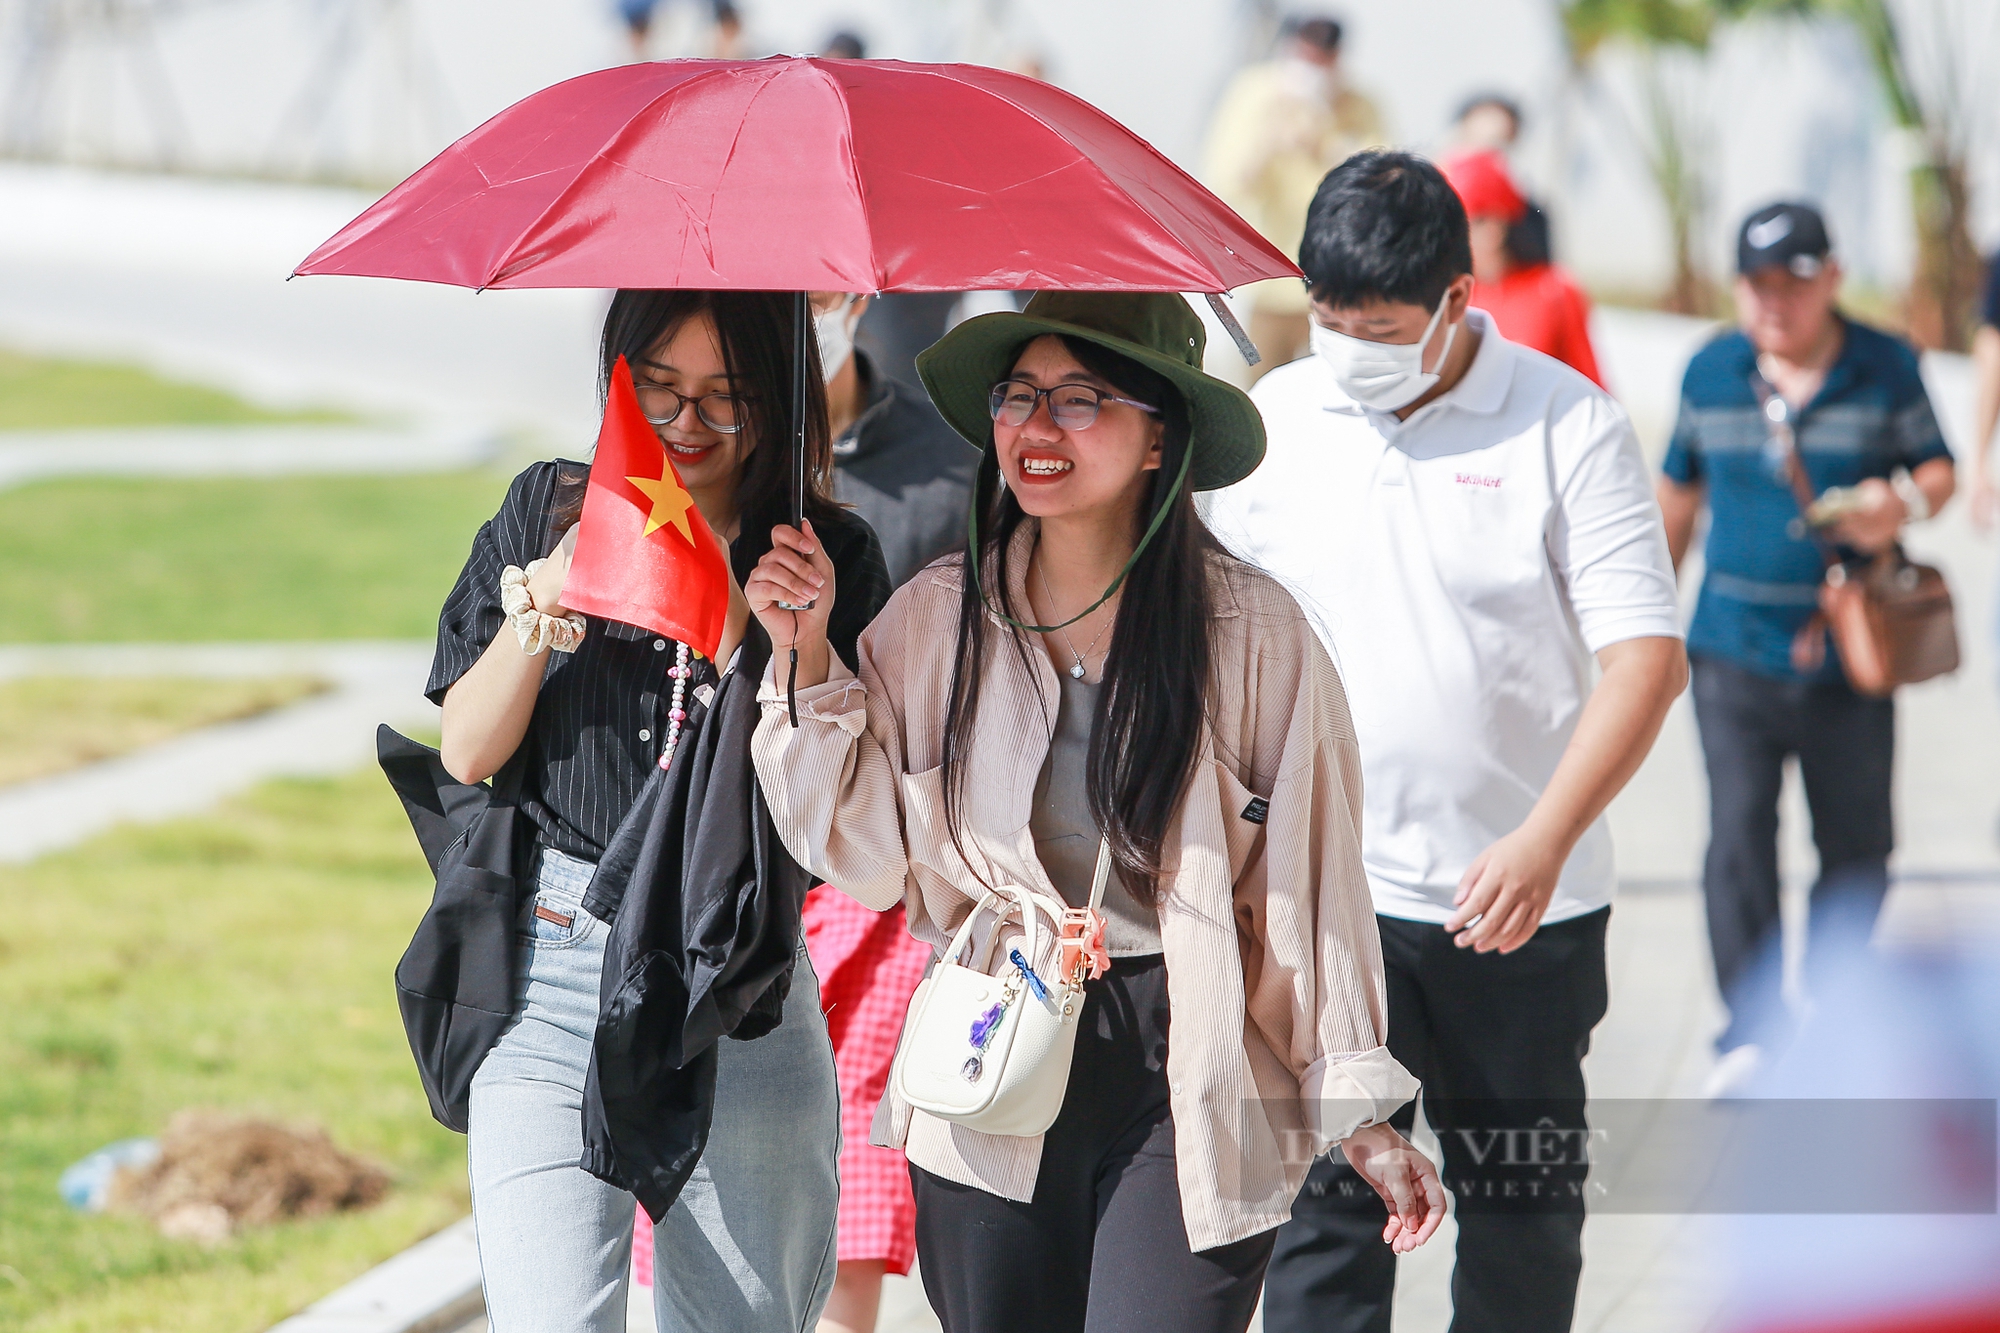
x=1036, y=987
x=984, y=1026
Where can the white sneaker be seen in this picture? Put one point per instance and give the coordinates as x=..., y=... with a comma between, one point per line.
x=1734, y=1071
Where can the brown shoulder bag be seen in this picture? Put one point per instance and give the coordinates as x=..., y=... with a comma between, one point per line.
x=1889, y=617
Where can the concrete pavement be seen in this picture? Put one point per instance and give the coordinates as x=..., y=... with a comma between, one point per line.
x=325, y=735
x=239, y=451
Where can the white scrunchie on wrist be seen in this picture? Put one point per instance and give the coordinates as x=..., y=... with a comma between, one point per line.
x=535, y=629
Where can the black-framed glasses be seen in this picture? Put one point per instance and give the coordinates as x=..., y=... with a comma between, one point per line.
x=722, y=412
x=1071, y=406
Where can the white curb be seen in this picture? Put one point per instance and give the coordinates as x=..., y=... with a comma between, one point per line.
x=432, y=1287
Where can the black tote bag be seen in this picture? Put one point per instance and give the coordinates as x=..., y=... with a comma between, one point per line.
x=455, y=982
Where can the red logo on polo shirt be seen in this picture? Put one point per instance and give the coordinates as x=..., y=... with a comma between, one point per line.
x=1475, y=479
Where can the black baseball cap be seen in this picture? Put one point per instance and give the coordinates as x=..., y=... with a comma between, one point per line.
x=1792, y=236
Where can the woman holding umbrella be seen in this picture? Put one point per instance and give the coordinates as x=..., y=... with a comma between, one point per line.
x=582, y=710
x=1097, y=671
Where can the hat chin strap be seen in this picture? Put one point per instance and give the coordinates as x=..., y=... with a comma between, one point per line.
x=1159, y=517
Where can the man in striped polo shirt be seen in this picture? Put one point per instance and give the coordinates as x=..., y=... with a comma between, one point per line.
x=1862, y=422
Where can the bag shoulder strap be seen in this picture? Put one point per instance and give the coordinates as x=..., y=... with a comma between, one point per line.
x=1103, y=875
x=1809, y=643
x=994, y=900
x=1779, y=424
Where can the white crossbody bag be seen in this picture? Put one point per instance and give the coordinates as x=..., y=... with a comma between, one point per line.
x=988, y=1044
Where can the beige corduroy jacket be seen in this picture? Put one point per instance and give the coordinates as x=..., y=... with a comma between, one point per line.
x=1274, y=967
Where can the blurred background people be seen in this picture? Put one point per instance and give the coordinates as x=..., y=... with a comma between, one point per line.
x=1486, y=122
x=1533, y=302
x=638, y=16
x=845, y=45
x=1491, y=122
x=898, y=325
x=1279, y=128
x=639, y=21
x=910, y=475
x=1985, y=493
x=1767, y=684
x=896, y=462
x=726, y=36
x=730, y=43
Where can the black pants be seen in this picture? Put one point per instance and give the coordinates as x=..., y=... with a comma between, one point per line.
x=1498, y=1042
x=1101, y=1248
x=1846, y=745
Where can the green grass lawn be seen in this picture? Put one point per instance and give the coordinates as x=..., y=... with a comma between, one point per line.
x=105, y=559
x=48, y=393
x=239, y=961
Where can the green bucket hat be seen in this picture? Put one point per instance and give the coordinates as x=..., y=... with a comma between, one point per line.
x=1159, y=330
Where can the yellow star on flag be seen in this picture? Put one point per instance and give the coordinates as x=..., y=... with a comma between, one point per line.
x=671, y=501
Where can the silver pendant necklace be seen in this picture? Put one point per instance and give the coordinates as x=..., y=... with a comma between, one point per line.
x=1076, y=666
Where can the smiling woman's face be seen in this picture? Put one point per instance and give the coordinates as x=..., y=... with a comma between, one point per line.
x=1053, y=471
x=689, y=362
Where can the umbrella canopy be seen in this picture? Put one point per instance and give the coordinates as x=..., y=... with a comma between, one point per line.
x=795, y=174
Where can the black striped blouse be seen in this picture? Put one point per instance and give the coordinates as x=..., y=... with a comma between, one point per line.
x=601, y=717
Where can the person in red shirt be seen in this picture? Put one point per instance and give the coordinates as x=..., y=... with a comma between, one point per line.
x=1535, y=304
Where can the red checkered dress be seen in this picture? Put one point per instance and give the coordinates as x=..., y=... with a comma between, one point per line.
x=868, y=966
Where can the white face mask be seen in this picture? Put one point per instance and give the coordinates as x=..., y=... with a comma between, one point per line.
x=835, y=329
x=1306, y=79
x=1384, y=376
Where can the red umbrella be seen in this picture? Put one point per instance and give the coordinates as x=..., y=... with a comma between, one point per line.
x=794, y=174
x=804, y=175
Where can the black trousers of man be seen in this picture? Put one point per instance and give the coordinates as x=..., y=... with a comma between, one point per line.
x=1846, y=747
x=1498, y=1042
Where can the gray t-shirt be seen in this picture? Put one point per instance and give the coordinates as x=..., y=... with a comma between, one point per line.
x=1066, y=836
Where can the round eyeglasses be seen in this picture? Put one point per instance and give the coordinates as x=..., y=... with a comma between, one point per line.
x=1071, y=406
x=722, y=412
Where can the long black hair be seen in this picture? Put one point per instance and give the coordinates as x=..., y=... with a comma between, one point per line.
x=755, y=330
x=1146, y=736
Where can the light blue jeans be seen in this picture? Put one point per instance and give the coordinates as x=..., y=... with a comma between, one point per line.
x=748, y=1247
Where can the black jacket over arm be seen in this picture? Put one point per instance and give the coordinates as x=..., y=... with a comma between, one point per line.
x=705, y=905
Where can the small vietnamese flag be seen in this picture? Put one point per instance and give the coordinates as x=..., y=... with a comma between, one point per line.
x=643, y=554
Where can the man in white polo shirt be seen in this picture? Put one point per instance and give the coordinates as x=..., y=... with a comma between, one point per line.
x=1469, y=523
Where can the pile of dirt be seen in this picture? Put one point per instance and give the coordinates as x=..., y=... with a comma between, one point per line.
x=217, y=1173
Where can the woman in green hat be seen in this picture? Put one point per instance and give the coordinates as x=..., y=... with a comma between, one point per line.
x=1106, y=678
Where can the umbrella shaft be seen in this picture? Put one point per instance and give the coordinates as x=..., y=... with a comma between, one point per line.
x=801, y=321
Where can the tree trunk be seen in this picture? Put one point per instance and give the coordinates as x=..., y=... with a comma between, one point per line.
x=1675, y=156
x=1944, y=291
x=1691, y=293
